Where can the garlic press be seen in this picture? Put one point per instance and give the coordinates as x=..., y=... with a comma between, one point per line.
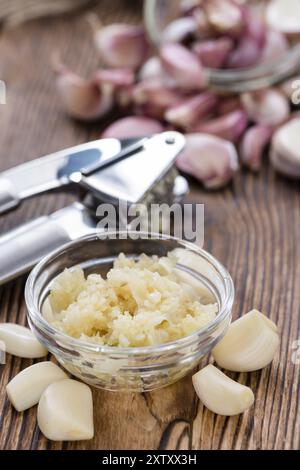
x=111, y=171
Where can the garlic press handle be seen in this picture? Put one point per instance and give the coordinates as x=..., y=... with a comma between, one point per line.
x=8, y=196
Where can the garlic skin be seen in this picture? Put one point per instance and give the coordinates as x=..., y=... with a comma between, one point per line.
x=253, y=144
x=229, y=126
x=267, y=107
x=26, y=388
x=220, y=394
x=284, y=16
x=65, y=411
x=182, y=66
x=188, y=112
x=211, y=160
x=20, y=341
x=285, y=149
x=82, y=99
x=121, y=45
x=154, y=97
x=250, y=344
x=132, y=126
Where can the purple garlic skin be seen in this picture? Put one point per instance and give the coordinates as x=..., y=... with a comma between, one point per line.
x=253, y=144
x=285, y=149
x=213, y=53
x=229, y=126
x=190, y=111
x=268, y=107
x=122, y=45
x=183, y=67
x=211, y=160
x=154, y=97
x=132, y=126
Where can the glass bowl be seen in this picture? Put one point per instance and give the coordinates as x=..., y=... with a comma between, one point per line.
x=158, y=13
x=137, y=369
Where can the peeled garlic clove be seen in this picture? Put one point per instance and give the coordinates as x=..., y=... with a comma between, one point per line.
x=151, y=69
x=213, y=53
x=121, y=45
x=183, y=66
x=211, y=160
x=65, y=411
x=26, y=388
x=83, y=99
x=20, y=341
x=132, y=126
x=268, y=107
x=220, y=394
x=224, y=16
x=190, y=111
x=116, y=77
x=253, y=144
x=249, y=344
x=229, y=126
x=275, y=46
x=179, y=29
x=285, y=149
x=284, y=16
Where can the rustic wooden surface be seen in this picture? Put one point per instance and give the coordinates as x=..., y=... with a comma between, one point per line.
x=252, y=227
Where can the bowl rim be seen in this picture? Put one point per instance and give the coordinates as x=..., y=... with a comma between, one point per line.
x=36, y=319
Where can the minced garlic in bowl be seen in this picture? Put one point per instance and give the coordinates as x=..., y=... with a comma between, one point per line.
x=142, y=302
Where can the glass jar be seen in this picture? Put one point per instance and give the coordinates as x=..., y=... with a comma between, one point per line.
x=137, y=369
x=159, y=13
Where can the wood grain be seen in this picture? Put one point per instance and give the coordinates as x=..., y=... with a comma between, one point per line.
x=253, y=227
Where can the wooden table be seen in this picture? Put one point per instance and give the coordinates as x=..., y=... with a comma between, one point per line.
x=252, y=227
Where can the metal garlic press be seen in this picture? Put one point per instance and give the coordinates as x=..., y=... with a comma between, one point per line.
x=133, y=171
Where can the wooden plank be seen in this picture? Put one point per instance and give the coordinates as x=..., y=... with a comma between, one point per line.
x=252, y=227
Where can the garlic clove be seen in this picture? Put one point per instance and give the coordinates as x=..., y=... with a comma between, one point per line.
x=220, y=394
x=211, y=160
x=65, y=411
x=224, y=16
x=155, y=96
x=253, y=144
x=213, y=53
x=26, y=388
x=227, y=105
x=183, y=66
x=190, y=111
x=20, y=341
x=116, y=77
x=179, y=29
x=250, y=344
x=151, y=69
x=246, y=54
x=268, y=107
x=132, y=126
x=186, y=7
x=275, y=46
x=121, y=45
x=285, y=154
x=229, y=126
x=284, y=16
x=83, y=99
x=291, y=89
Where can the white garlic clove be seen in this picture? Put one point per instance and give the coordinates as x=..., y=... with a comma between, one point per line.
x=250, y=344
x=20, y=341
x=213, y=53
x=65, y=411
x=26, y=388
x=284, y=16
x=188, y=112
x=268, y=107
x=285, y=149
x=121, y=45
x=179, y=29
x=211, y=160
x=253, y=144
x=183, y=66
x=132, y=126
x=220, y=394
x=224, y=16
x=229, y=126
x=83, y=99
x=275, y=46
x=116, y=77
